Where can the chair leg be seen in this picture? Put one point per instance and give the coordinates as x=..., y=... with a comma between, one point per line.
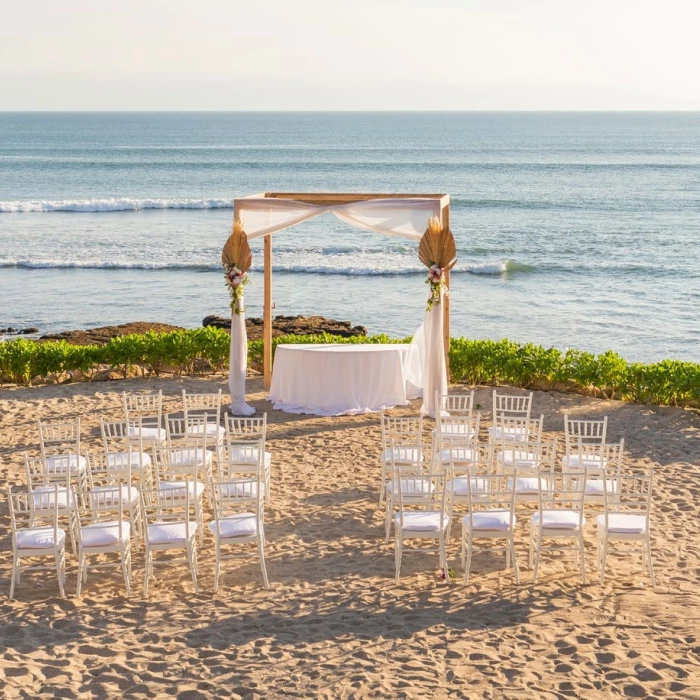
x=398, y=547
x=470, y=550
x=192, y=556
x=443, y=556
x=388, y=514
x=536, y=544
x=651, y=565
x=125, y=557
x=583, y=559
x=60, y=569
x=603, y=559
x=261, y=552
x=15, y=576
x=514, y=558
x=147, y=573
x=382, y=487
x=217, y=566
x=81, y=566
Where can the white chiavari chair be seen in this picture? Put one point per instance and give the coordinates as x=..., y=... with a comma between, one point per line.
x=123, y=446
x=559, y=517
x=491, y=517
x=508, y=406
x=149, y=409
x=188, y=441
x=626, y=517
x=30, y=540
x=209, y=406
x=513, y=430
x=104, y=530
x=44, y=486
x=252, y=430
x=238, y=520
x=401, y=455
x=170, y=523
x=400, y=431
x=455, y=404
x=113, y=485
x=422, y=517
x=583, y=431
x=599, y=465
x=59, y=442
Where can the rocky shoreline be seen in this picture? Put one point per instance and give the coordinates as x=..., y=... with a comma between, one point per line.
x=281, y=325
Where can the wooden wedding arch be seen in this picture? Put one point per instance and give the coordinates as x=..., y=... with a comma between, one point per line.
x=330, y=199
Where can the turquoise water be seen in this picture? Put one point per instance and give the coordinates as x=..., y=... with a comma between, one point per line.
x=573, y=230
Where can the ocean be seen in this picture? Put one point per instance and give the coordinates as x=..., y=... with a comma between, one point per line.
x=573, y=229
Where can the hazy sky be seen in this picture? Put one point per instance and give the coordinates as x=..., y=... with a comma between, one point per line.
x=359, y=54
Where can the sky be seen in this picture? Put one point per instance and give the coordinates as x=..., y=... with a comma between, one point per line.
x=350, y=55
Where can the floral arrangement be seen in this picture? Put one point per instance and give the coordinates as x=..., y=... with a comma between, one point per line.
x=236, y=258
x=437, y=251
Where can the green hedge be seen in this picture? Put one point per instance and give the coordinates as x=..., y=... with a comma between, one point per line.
x=471, y=361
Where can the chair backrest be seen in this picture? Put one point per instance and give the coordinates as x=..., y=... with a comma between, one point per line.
x=401, y=429
x=561, y=491
x=455, y=404
x=38, y=473
x=168, y=505
x=528, y=457
x=520, y=429
x=186, y=431
x=118, y=436
x=101, y=472
x=238, y=428
x=178, y=462
x=149, y=407
x=404, y=453
x=511, y=405
x=208, y=405
x=456, y=427
x=236, y=496
x=423, y=490
x=24, y=513
x=59, y=436
x=596, y=457
x=242, y=457
x=584, y=431
x=628, y=493
x=492, y=492
x=103, y=505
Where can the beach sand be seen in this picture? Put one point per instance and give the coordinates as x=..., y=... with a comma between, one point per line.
x=334, y=623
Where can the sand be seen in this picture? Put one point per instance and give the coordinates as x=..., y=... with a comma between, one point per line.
x=334, y=623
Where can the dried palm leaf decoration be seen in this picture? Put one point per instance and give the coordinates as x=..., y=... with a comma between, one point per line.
x=236, y=259
x=438, y=252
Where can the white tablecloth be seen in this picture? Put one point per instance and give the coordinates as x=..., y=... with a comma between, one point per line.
x=334, y=380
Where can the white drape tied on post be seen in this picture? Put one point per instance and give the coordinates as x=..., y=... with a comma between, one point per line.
x=404, y=217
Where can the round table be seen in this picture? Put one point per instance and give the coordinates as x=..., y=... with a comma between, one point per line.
x=333, y=380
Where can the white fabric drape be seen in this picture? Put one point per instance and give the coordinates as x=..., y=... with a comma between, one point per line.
x=407, y=218
x=403, y=217
x=434, y=367
x=238, y=362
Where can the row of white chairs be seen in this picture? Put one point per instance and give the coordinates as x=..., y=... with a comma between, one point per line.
x=167, y=516
x=425, y=498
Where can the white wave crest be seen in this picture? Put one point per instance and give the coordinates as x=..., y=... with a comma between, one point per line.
x=114, y=204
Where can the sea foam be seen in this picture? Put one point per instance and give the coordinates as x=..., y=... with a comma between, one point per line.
x=109, y=205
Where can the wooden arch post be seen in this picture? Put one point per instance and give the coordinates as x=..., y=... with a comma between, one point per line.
x=445, y=216
x=267, y=312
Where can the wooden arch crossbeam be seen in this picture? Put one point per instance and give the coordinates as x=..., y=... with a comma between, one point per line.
x=329, y=199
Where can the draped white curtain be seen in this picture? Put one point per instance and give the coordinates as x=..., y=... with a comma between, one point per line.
x=403, y=217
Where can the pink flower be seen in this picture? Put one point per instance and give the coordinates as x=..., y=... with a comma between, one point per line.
x=435, y=274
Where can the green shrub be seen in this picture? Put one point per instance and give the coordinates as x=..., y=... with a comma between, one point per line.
x=670, y=382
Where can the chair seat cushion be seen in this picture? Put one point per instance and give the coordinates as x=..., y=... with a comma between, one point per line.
x=213, y=430
x=559, y=519
x=39, y=538
x=495, y=519
x=624, y=523
x=111, y=495
x=455, y=431
x=575, y=460
x=520, y=459
x=147, y=432
x=525, y=485
x=459, y=485
x=238, y=525
x=514, y=434
x=460, y=455
x=410, y=486
x=239, y=488
x=165, y=532
x=195, y=488
x=59, y=464
x=118, y=460
x=422, y=521
x=239, y=455
x=597, y=487
x=43, y=497
x=402, y=455
x=191, y=456
x=104, y=534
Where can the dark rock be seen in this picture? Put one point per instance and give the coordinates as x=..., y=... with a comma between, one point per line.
x=9, y=329
x=291, y=325
x=27, y=331
x=102, y=336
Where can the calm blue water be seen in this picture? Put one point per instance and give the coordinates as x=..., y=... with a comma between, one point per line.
x=573, y=230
